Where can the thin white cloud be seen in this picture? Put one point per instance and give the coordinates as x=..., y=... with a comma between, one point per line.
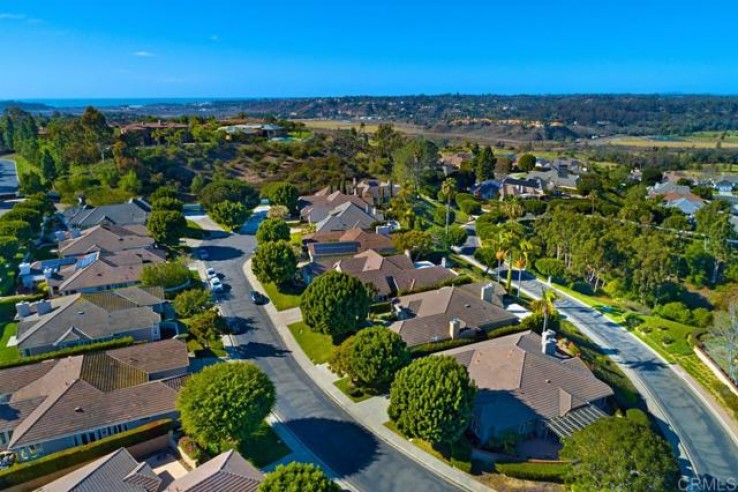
x=9, y=16
x=143, y=54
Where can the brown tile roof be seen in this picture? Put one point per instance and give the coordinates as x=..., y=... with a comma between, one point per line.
x=353, y=241
x=317, y=207
x=675, y=195
x=106, y=238
x=153, y=358
x=388, y=274
x=84, y=316
x=88, y=391
x=120, y=268
x=549, y=385
x=227, y=472
x=431, y=313
x=117, y=471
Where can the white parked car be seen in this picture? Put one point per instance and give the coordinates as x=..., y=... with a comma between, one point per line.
x=215, y=284
x=211, y=273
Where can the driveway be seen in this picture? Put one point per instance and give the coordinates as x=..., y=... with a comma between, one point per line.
x=8, y=179
x=691, y=424
x=351, y=452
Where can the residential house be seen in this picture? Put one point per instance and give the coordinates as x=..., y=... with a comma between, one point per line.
x=465, y=311
x=487, y=190
x=526, y=386
x=328, y=244
x=375, y=192
x=724, y=187
x=688, y=203
x=105, y=238
x=226, y=472
x=253, y=130
x=523, y=188
x=557, y=177
x=387, y=275
x=49, y=325
x=90, y=273
x=666, y=187
x=455, y=159
x=315, y=208
x=134, y=212
x=62, y=403
x=151, y=132
x=119, y=471
x=349, y=216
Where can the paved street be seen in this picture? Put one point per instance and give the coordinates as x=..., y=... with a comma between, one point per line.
x=351, y=452
x=693, y=426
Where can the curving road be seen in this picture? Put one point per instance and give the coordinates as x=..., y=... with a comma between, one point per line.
x=351, y=452
x=691, y=426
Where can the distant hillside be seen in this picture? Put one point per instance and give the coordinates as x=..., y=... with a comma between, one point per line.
x=26, y=106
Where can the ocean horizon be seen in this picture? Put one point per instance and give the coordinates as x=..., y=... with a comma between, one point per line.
x=124, y=101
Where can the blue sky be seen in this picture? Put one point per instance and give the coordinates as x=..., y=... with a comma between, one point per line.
x=85, y=49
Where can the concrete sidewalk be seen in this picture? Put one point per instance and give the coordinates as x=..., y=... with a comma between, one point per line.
x=372, y=413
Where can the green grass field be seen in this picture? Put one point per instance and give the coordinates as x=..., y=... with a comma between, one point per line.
x=282, y=299
x=8, y=328
x=317, y=346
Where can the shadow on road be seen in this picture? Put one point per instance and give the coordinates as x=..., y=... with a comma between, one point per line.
x=256, y=350
x=646, y=365
x=344, y=446
x=223, y=253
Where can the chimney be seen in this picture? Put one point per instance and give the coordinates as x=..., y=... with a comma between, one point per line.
x=374, y=211
x=443, y=262
x=367, y=208
x=454, y=328
x=43, y=307
x=356, y=188
x=408, y=254
x=23, y=309
x=24, y=268
x=548, y=342
x=488, y=292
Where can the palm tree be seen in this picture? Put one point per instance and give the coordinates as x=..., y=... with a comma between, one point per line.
x=513, y=209
x=545, y=305
x=524, y=246
x=501, y=253
x=447, y=190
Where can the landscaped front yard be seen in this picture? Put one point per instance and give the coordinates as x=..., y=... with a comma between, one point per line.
x=8, y=328
x=287, y=298
x=317, y=346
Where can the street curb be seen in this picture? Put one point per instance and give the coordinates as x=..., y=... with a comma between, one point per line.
x=448, y=473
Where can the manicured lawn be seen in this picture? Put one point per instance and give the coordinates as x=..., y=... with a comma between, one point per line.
x=23, y=167
x=457, y=455
x=8, y=328
x=669, y=338
x=194, y=231
x=348, y=389
x=263, y=447
x=283, y=299
x=317, y=346
x=296, y=238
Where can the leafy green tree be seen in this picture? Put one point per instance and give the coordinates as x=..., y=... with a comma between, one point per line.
x=167, y=227
x=228, y=190
x=453, y=236
x=29, y=215
x=230, y=215
x=130, y=182
x=273, y=230
x=167, y=204
x=374, y=355
x=432, y=399
x=417, y=242
x=18, y=229
x=9, y=246
x=619, y=454
x=298, y=477
x=413, y=161
x=207, y=326
x=31, y=183
x=225, y=404
x=48, y=166
x=166, y=275
x=448, y=189
x=39, y=202
x=275, y=262
x=440, y=214
x=163, y=192
x=527, y=162
x=197, y=185
x=713, y=221
x=484, y=164
x=335, y=303
x=284, y=194
x=190, y=302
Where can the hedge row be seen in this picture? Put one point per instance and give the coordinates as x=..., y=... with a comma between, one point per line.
x=538, y=471
x=31, y=470
x=80, y=349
